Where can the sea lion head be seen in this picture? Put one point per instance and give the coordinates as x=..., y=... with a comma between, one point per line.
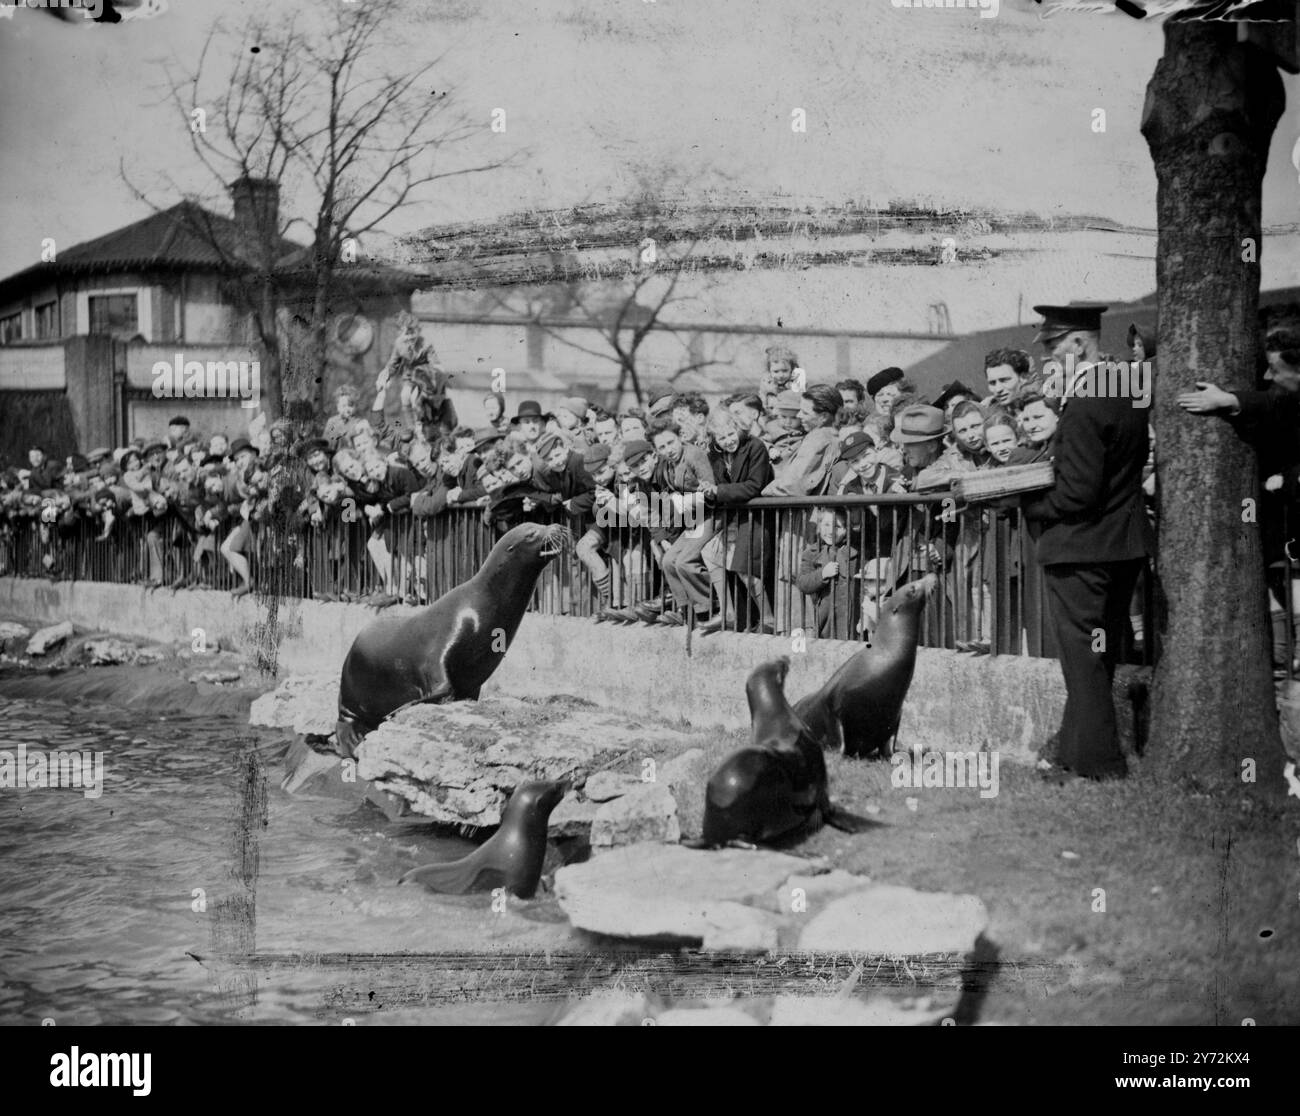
x=536, y=540
x=909, y=599
x=766, y=678
x=537, y=798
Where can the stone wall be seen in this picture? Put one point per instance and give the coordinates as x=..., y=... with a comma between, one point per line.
x=957, y=701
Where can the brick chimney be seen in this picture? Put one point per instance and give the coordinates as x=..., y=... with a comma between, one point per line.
x=257, y=208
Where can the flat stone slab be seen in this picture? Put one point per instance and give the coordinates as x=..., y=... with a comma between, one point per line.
x=897, y=921
x=458, y=762
x=653, y=890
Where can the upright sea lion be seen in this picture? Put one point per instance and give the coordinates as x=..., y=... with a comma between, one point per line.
x=776, y=786
x=446, y=651
x=862, y=704
x=511, y=858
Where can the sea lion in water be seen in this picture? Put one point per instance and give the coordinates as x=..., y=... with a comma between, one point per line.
x=446, y=651
x=511, y=858
x=860, y=707
x=775, y=787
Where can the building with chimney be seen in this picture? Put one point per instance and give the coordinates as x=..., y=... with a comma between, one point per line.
x=80, y=333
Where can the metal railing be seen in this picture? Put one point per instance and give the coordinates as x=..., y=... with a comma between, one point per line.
x=989, y=594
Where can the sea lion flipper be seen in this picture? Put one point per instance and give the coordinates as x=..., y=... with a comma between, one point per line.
x=848, y=823
x=453, y=878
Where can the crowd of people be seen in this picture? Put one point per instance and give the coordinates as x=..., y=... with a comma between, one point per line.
x=655, y=496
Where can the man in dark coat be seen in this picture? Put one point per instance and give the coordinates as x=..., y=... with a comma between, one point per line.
x=1094, y=540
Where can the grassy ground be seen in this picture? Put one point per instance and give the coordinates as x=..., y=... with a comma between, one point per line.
x=1202, y=899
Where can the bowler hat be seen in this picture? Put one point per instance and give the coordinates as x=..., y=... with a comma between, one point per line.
x=918, y=423
x=530, y=408
x=1060, y=320
x=883, y=379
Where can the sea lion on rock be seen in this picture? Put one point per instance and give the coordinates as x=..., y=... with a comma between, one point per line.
x=860, y=707
x=776, y=787
x=445, y=652
x=511, y=858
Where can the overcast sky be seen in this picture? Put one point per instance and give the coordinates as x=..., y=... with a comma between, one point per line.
x=928, y=105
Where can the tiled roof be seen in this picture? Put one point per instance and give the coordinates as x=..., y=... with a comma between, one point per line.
x=179, y=238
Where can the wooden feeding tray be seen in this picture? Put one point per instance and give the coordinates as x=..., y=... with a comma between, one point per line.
x=989, y=484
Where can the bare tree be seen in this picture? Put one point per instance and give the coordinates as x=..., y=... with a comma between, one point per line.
x=313, y=109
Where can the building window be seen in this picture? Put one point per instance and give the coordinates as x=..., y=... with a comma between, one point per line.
x=11, y=328
x=47, y=321
x=114, y=314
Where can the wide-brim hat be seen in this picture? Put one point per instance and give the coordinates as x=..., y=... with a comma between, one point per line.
x=485, y=436
x=162, y=446
x=918, y=423
x=240, y=444
x=530, y=408
x=1060, y=320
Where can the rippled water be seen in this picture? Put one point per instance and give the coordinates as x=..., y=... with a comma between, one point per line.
x=96, y=918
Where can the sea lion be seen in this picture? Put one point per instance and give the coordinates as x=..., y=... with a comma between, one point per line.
x=511, y=858
x=860, y=707
x=445, y=652
x=776, y=787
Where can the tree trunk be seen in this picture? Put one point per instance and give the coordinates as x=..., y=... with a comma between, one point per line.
x=272, y=379
x=1211, y=109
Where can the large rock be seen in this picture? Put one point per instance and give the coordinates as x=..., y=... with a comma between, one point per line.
x=11, y=635
x=307, y=704
x=49, y=638
x=572, y=817
x=687, y=777
x=458, y=762
x=897, y=921
x=646, y=813
x=107, y=651
x=669, y=891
